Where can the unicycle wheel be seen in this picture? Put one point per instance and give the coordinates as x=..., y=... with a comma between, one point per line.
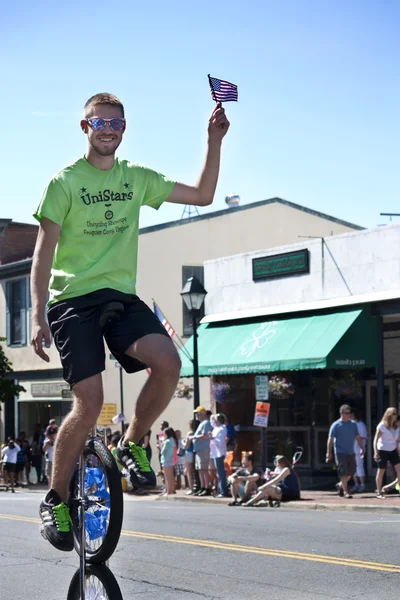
x=103, y=501
x=100, y=583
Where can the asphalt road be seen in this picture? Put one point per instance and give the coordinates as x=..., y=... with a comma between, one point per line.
x=192, y=551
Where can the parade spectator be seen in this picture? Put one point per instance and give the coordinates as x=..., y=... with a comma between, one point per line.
x=189, y=467
x=20, y=464
x=342, y=435
x=48, y=449
x=160, y=437
x=201, y=445
x=285, y=486
x=230, y=435
x=25, y=446
x=386, y=447
x=180, y=460
x=359, y=477
x=145, y=443
x=37, y=451
x=9, y=460
x=245, y=481
x=168, y=460
x=52, y=425
x=218, y=452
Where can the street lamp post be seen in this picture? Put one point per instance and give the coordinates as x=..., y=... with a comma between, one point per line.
x=193, y=294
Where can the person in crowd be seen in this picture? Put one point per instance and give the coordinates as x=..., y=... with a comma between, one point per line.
x=201, y=445
x=189, y=467
x=270, y=474
x=20, y=464
x=145, y=443
x=52, y=425
x=386, y=447
x=285, y=486
x=245, y=481
x=218, y=452
x=342, y=435
x=48, y=449
x=9, y=460
x=168, y=460
x=160, y=437
x=230, y=435
x=359, y=477
x=25, y=446
x=37, y=451
x=180, y=461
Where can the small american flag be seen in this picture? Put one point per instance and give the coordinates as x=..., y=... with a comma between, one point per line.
x=223, y=91
x=163, y=321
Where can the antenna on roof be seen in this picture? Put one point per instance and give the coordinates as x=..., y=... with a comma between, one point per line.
x=190, y=211
x=390, y=215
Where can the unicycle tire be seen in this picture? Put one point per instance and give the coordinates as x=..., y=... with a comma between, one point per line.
x=95, y=453
x=100, y=583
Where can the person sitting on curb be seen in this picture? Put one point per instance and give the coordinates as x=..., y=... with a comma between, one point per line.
x=245, y=481
x=288, y=488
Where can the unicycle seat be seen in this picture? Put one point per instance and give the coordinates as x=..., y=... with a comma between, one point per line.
x=111, y=311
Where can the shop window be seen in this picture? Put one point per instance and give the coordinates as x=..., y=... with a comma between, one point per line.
x=16, y=308
x=187, y=272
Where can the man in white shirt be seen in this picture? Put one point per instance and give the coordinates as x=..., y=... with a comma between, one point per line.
x=9, y=460
x=359, y=477
x=218, y=452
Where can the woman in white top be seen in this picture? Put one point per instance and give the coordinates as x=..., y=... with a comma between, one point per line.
x=386, y=446
x=9, y=460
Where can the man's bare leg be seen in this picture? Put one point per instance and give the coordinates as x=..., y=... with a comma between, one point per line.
x=72, y=435
x=159, y=353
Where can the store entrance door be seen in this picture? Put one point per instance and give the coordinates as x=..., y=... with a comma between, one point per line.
x=32, y=412
x=371, y=412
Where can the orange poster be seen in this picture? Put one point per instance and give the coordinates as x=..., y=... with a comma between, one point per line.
x=262, y=414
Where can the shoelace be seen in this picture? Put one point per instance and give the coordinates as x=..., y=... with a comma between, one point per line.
x=62, y=517
x=140, y=457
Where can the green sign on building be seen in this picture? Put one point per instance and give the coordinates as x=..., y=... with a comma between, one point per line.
x=281, y=265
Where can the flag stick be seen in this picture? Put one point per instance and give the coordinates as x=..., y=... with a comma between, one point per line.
x=182, y=347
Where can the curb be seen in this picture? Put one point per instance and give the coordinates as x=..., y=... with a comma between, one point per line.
x=295, y=505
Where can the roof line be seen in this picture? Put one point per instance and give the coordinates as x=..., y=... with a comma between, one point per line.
x=340, y=301
x=222, y=212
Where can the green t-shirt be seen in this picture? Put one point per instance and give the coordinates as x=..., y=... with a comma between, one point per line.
x=98, y=212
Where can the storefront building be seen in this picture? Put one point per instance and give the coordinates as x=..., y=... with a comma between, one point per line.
x=169, y=254
x=321, y=320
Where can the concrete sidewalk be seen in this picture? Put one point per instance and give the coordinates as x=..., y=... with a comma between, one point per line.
x=315, y=500
x=310, y=500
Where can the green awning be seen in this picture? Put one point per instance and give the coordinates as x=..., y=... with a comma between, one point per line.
x=341, y=340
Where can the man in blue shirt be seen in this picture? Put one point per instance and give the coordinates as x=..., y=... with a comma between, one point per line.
x=341, y=438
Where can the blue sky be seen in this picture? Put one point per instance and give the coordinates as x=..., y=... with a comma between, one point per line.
x=317, y=121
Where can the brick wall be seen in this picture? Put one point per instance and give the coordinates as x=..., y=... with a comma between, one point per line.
x=18, y=242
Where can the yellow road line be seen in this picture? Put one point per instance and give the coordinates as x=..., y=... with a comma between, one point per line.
x=333, y=560
x=348, y=562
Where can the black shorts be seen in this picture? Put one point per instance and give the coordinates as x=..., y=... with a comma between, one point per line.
x=345, y=465
x=79, y=339
x=19, y=467
x=288, y=495
x=386, y=456
x=9, y=467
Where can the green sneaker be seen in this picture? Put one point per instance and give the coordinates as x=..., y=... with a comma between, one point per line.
x=134, y=459
x=56, y=522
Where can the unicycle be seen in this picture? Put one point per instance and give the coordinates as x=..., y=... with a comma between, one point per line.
x=96, y=506
x=96, y=501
